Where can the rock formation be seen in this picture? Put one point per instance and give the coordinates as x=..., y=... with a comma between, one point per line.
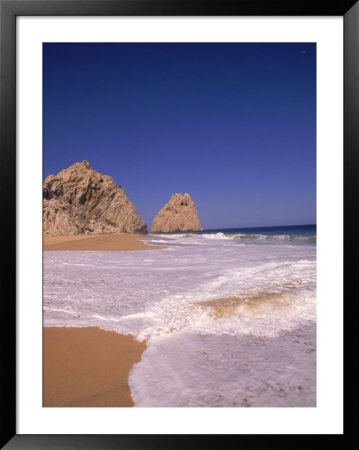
x=80, y=200
x=178, y=215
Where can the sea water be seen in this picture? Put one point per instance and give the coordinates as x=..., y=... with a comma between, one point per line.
x=229, y=315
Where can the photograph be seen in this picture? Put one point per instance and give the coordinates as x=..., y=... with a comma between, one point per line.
x=179, y=224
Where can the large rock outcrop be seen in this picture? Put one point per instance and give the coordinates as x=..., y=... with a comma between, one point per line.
x=178, y=215
x=80, y=200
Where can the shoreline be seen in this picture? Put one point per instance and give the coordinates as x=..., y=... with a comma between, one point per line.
x=88, y=367
x=99, y=242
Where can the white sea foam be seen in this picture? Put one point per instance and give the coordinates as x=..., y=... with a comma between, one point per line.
x=201, y=289
x=194, y=370
x=219, y=235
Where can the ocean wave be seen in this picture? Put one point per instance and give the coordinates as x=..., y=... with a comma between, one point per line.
x=267, y=237
x=163, y=238
x=261, y=314
x=218, y=235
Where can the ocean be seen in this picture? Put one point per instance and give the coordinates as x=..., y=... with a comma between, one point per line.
x=229, y=314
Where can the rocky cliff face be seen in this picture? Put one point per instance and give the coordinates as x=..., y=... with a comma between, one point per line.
x=80, y=200
x=178, y=215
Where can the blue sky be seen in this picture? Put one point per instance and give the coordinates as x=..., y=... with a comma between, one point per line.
x=234, y=125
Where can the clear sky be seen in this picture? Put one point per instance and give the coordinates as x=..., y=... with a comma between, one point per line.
x=234, y=125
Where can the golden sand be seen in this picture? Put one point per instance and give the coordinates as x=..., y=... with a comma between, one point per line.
x=98, y=242
x=88, y=367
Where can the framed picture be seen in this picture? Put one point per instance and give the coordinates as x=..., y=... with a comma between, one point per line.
x=241, y=105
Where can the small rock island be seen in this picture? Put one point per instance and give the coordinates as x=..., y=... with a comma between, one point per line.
x=178, y=215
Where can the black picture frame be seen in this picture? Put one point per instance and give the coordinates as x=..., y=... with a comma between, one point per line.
x=9, y=10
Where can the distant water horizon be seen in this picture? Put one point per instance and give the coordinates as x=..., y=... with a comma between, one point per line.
x=265, y=226
x=262, y=232
x=292, y=230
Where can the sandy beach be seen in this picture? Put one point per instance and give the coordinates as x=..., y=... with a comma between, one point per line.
x=98, y=242
x=88, y=367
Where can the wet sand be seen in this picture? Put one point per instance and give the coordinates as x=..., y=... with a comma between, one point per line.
x=98, y=242
x=88, y=367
